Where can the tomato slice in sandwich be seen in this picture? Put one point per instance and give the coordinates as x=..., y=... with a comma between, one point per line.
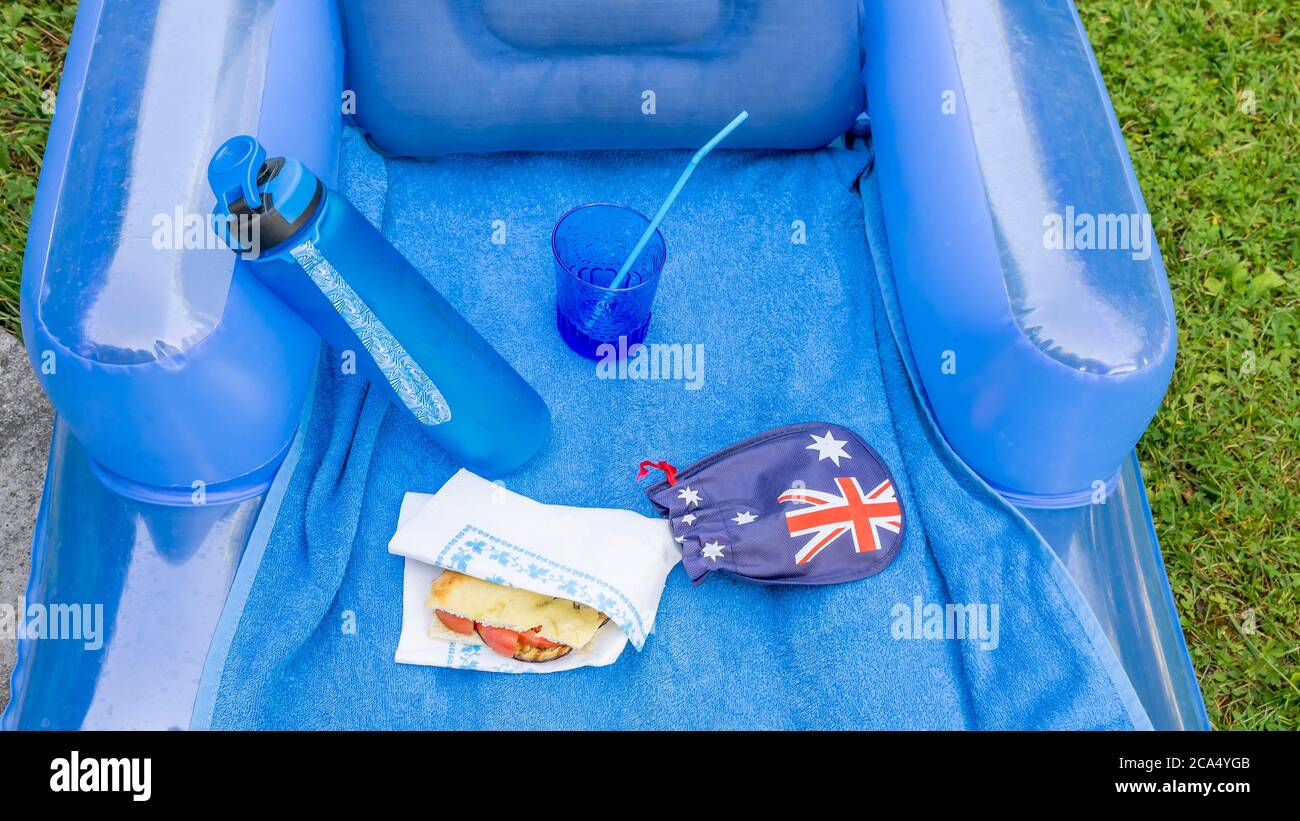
x=454, y=623
x=521, y=646
x=533, y=639
x=499, y=639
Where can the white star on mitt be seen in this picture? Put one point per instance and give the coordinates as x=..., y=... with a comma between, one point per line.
x=712, y=550
x=744, y=518
x=828, y=447
x=692, y=497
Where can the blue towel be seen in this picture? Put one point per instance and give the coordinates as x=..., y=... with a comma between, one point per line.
x=770, y=270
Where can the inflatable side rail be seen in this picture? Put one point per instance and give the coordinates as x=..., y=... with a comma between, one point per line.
x=1031, y=286
x=176, y=369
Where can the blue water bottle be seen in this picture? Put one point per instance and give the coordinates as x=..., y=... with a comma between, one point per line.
x=327, y=262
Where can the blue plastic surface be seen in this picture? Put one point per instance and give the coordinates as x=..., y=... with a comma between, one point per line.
x=161, y=575
x=176, y=372
x=589, y=244
x=163, y=572
x=991, y=125
x=1111, y=551
x=463, y=75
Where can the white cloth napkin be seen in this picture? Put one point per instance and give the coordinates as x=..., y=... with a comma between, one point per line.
x=614, y=560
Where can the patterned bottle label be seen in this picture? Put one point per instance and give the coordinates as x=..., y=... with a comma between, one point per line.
x=408, y=379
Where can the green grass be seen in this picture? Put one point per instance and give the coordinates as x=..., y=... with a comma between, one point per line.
x=33, y=39
x=1222, y=459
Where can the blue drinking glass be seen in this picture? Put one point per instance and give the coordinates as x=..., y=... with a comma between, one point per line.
x=590, y=243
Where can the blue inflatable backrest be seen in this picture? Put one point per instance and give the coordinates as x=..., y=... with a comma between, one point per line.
x=436, y=77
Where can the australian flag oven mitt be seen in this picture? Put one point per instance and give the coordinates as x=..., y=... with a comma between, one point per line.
x=800, y=504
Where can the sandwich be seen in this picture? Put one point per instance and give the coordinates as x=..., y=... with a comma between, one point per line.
x=521, y=624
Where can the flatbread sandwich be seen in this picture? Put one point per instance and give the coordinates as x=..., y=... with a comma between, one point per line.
x=521, y=624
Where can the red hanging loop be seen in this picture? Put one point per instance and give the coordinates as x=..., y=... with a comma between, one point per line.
x=670, y=472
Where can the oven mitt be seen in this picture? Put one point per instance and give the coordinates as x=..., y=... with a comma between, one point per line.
x=800, y=504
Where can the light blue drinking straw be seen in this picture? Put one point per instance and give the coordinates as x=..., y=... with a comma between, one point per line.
x=672, y=195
